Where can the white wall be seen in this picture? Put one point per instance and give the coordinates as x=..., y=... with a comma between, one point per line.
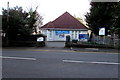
x=51, y=35
x=59, y=37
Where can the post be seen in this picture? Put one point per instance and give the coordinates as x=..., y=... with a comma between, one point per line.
x=67, y=42
x=8, y=12
x=7, y=40
x=104, y=39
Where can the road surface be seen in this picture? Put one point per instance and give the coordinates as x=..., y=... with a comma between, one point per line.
x=62, y=63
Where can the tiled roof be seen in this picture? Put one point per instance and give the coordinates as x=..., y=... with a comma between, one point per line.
x=65, y=21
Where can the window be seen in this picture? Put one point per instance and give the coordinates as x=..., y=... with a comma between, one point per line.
x=50, y=33
x=75, y=34
x=72, y=34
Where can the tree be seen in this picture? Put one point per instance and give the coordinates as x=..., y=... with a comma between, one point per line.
x=34, y=20
x=103, y=15
x=116, y=20
x=38, y=22
x=16, y=22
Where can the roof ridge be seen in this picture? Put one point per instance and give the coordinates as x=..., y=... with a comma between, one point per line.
x=66, y=20
x=61, y=15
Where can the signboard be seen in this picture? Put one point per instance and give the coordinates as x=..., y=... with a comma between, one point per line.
x=102, y=31
x=58, y=32
x=39, y=39
x=83, y=36
x=61, y=36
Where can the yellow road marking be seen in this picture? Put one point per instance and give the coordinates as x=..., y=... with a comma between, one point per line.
x=76, y=51
x=68, y=51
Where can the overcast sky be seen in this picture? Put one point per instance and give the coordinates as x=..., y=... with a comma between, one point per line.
x=51, y=9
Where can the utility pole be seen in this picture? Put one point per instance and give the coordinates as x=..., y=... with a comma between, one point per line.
x=7, y=40
x=8, y=12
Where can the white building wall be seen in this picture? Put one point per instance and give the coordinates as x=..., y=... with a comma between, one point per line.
x=59, y=37
x=52, y=36
x=83, y=32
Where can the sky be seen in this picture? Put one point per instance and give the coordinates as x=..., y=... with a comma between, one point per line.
x=51, y=9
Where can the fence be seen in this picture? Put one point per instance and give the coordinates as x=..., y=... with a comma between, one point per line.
x=97, y=41
x=113, y=40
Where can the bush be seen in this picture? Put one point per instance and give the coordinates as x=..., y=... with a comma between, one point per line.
x=74, y=40
x=40, y=44
x=25, y=41
x=87, y=45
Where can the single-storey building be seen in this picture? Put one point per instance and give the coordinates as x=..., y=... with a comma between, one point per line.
x=64, y=25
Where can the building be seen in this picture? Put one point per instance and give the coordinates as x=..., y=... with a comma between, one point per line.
x=64, y=25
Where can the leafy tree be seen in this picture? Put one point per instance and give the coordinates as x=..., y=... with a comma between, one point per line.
x=116, y=20
x=13, y=23
x=103, y=15
x=16, y=22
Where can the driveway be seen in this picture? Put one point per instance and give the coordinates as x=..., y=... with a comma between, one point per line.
x=55, y=44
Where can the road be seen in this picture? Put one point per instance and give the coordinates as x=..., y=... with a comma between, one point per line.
x=58, y=63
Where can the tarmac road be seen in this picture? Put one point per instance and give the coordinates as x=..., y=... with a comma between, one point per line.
x=58, y=63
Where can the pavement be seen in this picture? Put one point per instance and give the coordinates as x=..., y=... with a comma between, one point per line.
x=60, y=46
x=65, y=49
x=97, y=50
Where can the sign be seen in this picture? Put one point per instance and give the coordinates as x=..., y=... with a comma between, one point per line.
x=61, y=36
x=83, y=36
x=102, y=31
x=39, y=39
x=58, y=32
